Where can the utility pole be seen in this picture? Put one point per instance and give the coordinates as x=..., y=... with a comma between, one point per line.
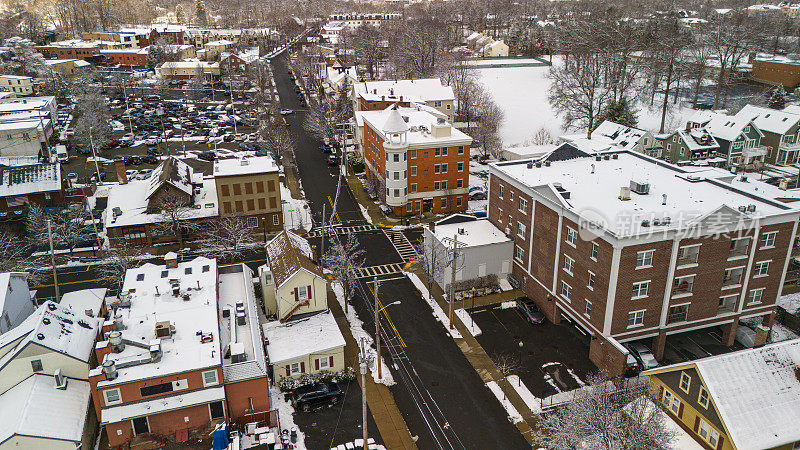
x=322, y=246
x=453, y=279
x=363, y=366
x=53, y=259
x=377, y=329
x=44, y=135
x=94, y=155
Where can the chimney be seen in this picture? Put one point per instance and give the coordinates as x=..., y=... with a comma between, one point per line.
x=432, y=226
x=401, y=98
x=171, y=260
x=383, y=98
x=664, y=199
x=374, y=91
x=688, y=126
x=119, y=166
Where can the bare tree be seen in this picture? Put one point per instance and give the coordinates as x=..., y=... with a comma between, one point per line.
x=278, y=141
x=607, y=416
x=489, y=117
x=419, y=47
x=195, y=85
x=175, y=218
x=21, y=58
x=13, y=249
x=507, y=364
x=542, y=137
x=91, y=117
x=729, y=37
x=666, y=52
x=435, y=259
x=343, y=259
x=68, y=225
x=579, y=91
x=229, y=237
x=368, y=48
x=118, y=260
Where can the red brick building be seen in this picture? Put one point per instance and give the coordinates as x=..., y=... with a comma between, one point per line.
x=418, y=161
x=629, y=248
x=133, y=57
x=182, y=352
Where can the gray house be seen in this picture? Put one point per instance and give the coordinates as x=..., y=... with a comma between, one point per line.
x=16, y=300
x=739, y=140
x=483, y=250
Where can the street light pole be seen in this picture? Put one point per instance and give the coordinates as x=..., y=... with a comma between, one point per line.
x=94, y=155
x=377, y=329
x=453, y=280
x=363, y=367
x=53, y=259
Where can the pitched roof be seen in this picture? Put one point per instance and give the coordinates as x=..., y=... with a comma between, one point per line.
x=173, y=172
x=726, y=127
x=286, y=254
x=395, y=123
x=767, y=119
x=698, y=139
x=620, y=135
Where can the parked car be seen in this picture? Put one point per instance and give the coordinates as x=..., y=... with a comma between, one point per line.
x=478, y=195
x=149, y=159
x=93, y=178
x=262, y=153
x=631, y=366
x=286, y=112
x=72, y=177
x=316, y=395
x=133, y=160
x=153, y=151
x=529, y=310
x=208, y=156
x=643, y=355
x=332, y=160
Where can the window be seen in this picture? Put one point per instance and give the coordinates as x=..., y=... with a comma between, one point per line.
x=760, y=269
x=323, y=363
x=225, y=191
x=768, y=239
x=733, y=276
x=187, y=271
x=216, y=409
x=460, y=147
x=595, y=250
x=500, y=214
x=572, y=237
x=569, y=264
x=635, y=318
x=294, y=368
x=413, y=170
x=437, y=151
x=413, y=187
x=210, y=378
x=678, y=313
x=276, y=219
x=444, y=202
x=644, y=259
x=587, y=310
x=566, y=291
x=640, y=289
x=461, y=167
x=436, y=168
x=459, y=201
x=683, y=285
x=519, y=253
x=36, y=365
x=397, y=192
x=112, y=397
x=140, y=277
x=459, y=183
x=437, y=103
x=412, y=154
x=444, y=151
x=702, y=398
x=303, y=293
x=754, y=296
x=523, y=205
x=501, y=191
x=709, y=434
x=436, y=185
x=590, y=281
x=521, y=230
x=686, y=382
x=396, y=175
x=688, y=254
x=396, y=157
x=739, y=247
x=444, y=168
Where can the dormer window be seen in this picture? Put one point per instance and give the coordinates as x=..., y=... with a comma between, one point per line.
x=164, y=273
x=188, y=271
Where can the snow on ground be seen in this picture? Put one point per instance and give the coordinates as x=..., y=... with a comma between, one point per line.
x=357, y=328
x=531, y=401
x=508, y=304
x=521, y=93
x=365, y=213
x=502, y=62
x=295, y=211
x=781, y=333
x=466, y=319
x=285, y=412
x=513, y=414
x=790, y=302
x=438, y=312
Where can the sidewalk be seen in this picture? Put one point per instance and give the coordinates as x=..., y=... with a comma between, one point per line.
x=376, y=215
x=481, y=361
x=391, y=425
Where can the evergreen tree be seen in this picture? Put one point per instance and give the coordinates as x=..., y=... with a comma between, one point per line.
x=180, y=15
x=618, y=112
x=200, y=13
x=778, y=98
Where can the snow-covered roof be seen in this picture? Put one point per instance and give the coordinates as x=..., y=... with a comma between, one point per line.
x=174, y=172
x=337, y=74
x=36, y=408
x=475, y=233
x=16, y=77
x=756, y=392
x=56, y=328
x=85, y=300
x=419, y=90
x=152, y=300
x=160, y=405
x=288, y=253
x=726, y=127
x=246, y=165
x=622, y=136
x=301, y=337
x=235, y=287
x=767, y=119
x=188, y=64
x=11, y=303
x=594, y=189
x=698, y=138
x=419, y=125
x=219, y=43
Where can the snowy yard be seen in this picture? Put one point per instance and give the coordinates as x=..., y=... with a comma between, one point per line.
x=521, y=92
x=296, y=212
x=285, y=413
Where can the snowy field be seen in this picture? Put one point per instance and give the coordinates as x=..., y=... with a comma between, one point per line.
x=521, y=92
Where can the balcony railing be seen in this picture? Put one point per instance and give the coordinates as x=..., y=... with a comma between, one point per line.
x=739, y=250
x=688, y=259
x=793, y=147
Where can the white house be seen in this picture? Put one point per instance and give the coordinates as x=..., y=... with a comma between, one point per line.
x=21, y=86
x=17, y=302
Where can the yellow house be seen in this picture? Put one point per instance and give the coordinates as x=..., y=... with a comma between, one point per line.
x=184, y=70
x=290, y=282
x=495, y=49
x=305, y=346
x=748, y=399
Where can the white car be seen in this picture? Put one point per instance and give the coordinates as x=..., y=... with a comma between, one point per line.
x=286, y=112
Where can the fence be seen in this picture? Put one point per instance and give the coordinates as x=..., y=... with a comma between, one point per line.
x=790, y=321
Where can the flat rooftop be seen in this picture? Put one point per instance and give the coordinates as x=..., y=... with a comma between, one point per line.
x=594, y=187
x=422, y=89
x=246, y=165
x=191, y=312
x=301, y=337
x=473, y=233
x=420, y=123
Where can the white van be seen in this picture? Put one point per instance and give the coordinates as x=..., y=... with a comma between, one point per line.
x=61, y=154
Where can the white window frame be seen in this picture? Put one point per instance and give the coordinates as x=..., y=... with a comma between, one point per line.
x=112, y=402
x=521, y=230
x=595, y=251
x=569, y=265
x=519, y=254
x=292, y=367
x=568, y=289
x=639, y=287
x=752, y=295
x=767, y=240
x=325, y=361
x=590, y=281
x=523, y=205
x=685, y=376
x=304, y=290
x=501, y=192
x=587, y=309
x=761, y=269
x=207, y=383
x=700, y=397
x=644, y=259
x=571, y=237
x=638, y=318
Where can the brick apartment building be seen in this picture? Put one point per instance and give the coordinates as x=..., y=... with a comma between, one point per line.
x=72, y=49
x=132, y=57
x=250, y=187
x=379, y=95
x=182, y=352
x=417, y=160
x=775, y=70
x=628, y=247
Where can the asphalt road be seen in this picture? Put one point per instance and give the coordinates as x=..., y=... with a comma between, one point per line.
x=442, y=398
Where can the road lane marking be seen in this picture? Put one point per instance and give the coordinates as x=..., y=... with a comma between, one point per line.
x=330, y=200
x=391, y=324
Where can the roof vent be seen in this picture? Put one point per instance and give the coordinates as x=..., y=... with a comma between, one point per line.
x=645, y=223
x=624, y=193
x=46, y=321
x=164, y=329
x=40, y=336
x=529, y=165
x=592, y=168
x=60, y=379
x=615, y=156
x=598, y=158
x=51, y=306
x=115, y=339
x=606, y=157
x=742, y=209
x=751, y=208
x=109, y=369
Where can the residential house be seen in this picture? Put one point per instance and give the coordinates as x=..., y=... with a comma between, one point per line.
x=173, y=34
x=693, y=143
x=746, y=399
x=738, y=137
x=184, y=70
x=780, y=130
x=495, y=49
x=44, y=392
x=483, y=249
x=337, y=75
x=418, y=161
x=130, y=38
x=629, y=248
x=212, y=50
x=238, y=62
x=181, y=353
x=249, y=187
x=28, y=185
x=180, y=52
x=379, y=95
x=17, y=302
x=291, y=282
x=611, y=134
x=68, y=68
x=20, y=86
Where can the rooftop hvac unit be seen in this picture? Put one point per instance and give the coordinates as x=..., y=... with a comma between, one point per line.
x=164, y=329
x=640, y=188
x=237, y=352
x=742, y=209
x=529, y=165
x=645, y=223
x=115, y=339
x=547, y=163
x=109, y=369
x=624, y=193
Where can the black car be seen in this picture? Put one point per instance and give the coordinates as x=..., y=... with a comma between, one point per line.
x=153, y=151
x=133, y=160
x=208, y=156
x=316, y=395
x=529, y=310
x=150, y=159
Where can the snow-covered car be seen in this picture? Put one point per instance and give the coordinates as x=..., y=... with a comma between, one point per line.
x=745, y=336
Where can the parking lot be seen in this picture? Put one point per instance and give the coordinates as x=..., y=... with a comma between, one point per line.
x=550, y=358
x=695, y=345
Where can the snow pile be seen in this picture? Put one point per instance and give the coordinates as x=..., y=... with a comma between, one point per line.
x=533, y=402
x=513, y=415
x=790, y=302
x=358, y=443
x=357, y=328
x=365, y=213
x=466, y=319
x=438, y=312
x=296, y=212
x=508, y=304
x=285, y=412
x=781, y=333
